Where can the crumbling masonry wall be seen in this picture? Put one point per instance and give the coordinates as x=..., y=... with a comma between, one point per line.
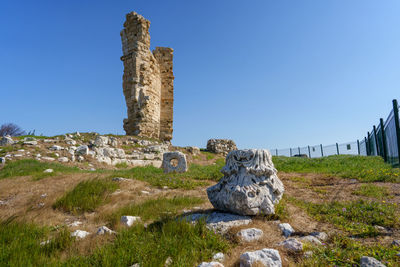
x=148, y=82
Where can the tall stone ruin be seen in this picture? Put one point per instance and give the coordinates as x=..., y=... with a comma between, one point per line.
x=148, y=82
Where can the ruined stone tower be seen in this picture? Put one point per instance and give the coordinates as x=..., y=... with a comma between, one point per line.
x=148, y=82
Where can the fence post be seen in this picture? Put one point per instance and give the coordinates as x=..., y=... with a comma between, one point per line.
x=322, y=151
x=299, y=150
x=290, y=152
x=383, y=140
x=378, y=151
x=396, y=120
x=309, y=152
x=358, y=146
x=368, y=145
x=337, y=148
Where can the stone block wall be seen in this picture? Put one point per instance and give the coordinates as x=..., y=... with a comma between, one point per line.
x=147, y=82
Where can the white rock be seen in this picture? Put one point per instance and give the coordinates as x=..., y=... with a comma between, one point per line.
x=129, y=220
x=56, y=148
x=2, y=160
x=104, y=230
x=18, y=155
x=292, y=244
x=45, y=242
x=80, y=158
x=370, y=262
x=218, y=257
x=250, y=185
x=101, y=141
x=322, y=236
x=267, y=257
x=38, y=155
x=82, y=150
x=180, y=157
x=48, y=158
x=119, y=179
x=286, y=229
x=48, y=171
x=396, y=243
x=63, y=159
x=6, y=141
x=311, y=239
x=43, y=195
x=250, y=234
x=219, y=221
x=70, y=141
x=80, y=234
x=210, y=264
x=145, y=192
x=31, y=143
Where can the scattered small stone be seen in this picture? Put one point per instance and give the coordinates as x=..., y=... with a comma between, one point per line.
x=2, y=202
x=145, y=192
x=55, y=148
x=92, y=169
x=21, y=150
x=219, y=221
x=396, y=243
x=57, y=155
x=2, y=160
x=80, y=234
x=308, y=254
x=370, y=262
x=18, y=155
x=165, y=187
x=48, y=158
x=380, y=228
x=119, y=179
x=286, y=229
x=43, y=195
x=168, y=262
x=129, y=220
x=219, y=257
x=41, y=205
x=210, y=264
x=250, y=234
x=6, y=141
x=63, y=159
x=48, y=171
x=31, y=143
x=320, y=235
x=104, y=230
x=45, y=242
x=135, y=265
x=267, y=257
x=292, y=244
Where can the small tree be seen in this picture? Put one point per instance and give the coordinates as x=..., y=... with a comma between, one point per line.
x=11, y=129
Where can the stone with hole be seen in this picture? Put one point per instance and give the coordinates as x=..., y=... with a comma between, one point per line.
x=174, y=162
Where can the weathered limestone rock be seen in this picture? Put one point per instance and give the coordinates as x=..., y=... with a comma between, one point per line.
x=104, y=230
x=311, y=239
x=219, y=221
x=179, y=157
x=223, y=146
x=218, y=257
x=82, y=150
x=250, y=234
x=147, y=81
x=286, y=229
x=80, y=234
x=292, y=245
x=210, y=264
x=6, y=140
x=322, y=236
x=264, y=257
x=2, y=160
x=129, y=220
x=250, y=185
x=370, y=262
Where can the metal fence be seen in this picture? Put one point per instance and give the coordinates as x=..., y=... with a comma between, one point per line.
x=383, y=141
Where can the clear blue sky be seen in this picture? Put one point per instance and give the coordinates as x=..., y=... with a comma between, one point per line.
x=267, y=74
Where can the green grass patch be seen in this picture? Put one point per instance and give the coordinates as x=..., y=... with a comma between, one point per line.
x=343, y=251
x=33, y=136
x=185, y=244
x=371, y=190
x=122, y=165
x=188, y=180
x=86, y=196
x=356, y=217
x=4, y=150
x=362, y=168
x=20, y=244
x=208, y=155
x=155, y=209
x=34, y=168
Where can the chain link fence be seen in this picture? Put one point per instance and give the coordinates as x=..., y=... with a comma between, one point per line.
x=383, y=141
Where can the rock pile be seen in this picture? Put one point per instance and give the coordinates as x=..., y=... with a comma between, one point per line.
x=223, y=146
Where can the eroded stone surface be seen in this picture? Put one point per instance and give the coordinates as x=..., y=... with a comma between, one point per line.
x=219, y=221
x=250, y=234
x=179, y=157
x=286, y=229
x=266, y=257
x=210, y=264
x=6, y=141
x=129, y=220
x=250, y=185
x=292, y=244
x=147, y=81
x=370, y=262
